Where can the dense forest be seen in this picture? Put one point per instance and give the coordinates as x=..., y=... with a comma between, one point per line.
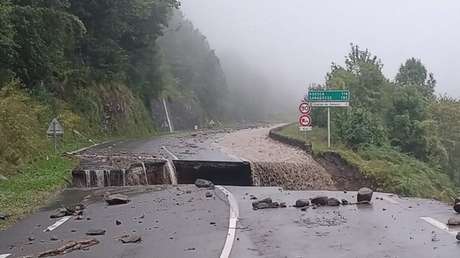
x=390, y=116
x=102, y=68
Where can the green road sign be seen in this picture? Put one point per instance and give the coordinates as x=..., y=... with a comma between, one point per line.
x=328, y=98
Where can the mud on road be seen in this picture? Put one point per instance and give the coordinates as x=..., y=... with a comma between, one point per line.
x=274, y=163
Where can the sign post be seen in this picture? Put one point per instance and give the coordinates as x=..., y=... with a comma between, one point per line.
x=305, y=118
x=328, y=98
x=55, y=130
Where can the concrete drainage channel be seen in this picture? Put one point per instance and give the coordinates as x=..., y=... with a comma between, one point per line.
x=100, y=171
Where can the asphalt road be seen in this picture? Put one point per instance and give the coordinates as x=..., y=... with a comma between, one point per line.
x=187, y=146
x=172, y=221
x=180, y=221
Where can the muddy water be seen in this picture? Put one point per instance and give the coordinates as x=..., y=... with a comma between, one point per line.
x=274, y=163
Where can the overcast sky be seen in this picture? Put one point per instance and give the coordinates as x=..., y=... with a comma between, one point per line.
x=293, y=42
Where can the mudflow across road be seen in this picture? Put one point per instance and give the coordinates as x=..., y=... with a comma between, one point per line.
x=234, y=220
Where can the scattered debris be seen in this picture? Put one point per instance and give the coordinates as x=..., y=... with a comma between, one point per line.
x=3, y=216
x=116, y=199
x=61, y=212
x=190, y=249
x=320, y=200
x=208, y=195
x=70, y=247
x=252, y=197
x=364, y=195
x=301, y=203
x=31, y=238
x=130, y=239
x=333, y=202
x=457, y=207
x=54, y=238
x=453, y=221
x=265, y=204
x=202, y=183
x=95, y=232
x=344, y=202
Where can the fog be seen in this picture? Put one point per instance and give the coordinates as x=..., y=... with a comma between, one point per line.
x=292, y=43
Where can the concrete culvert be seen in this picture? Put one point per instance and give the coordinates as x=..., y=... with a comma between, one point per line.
x=218, y=172
x=148, y=172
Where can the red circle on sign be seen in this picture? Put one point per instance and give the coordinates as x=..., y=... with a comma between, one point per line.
x=305, y=120
x=305, y=108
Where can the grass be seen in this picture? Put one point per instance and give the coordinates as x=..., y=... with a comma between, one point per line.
x=32, y=186
x=27, y=157
x=393, y=171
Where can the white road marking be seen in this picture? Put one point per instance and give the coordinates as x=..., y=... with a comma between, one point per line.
x=57, y=224
x=439, y=225
x=170, y=153
x=4, y=255
x=234, y=214
x=389, y=199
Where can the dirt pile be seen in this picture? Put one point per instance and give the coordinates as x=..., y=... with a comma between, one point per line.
x=291, y=176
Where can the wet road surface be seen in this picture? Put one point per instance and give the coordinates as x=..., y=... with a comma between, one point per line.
x=392, y=227
x=172, y=221
x=186, y=146
x=182, y=222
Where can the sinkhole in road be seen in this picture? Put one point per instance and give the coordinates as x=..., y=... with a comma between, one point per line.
x=156, y=172
x=218, y=172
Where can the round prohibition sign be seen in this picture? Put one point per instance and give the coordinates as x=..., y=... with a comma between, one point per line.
x=305, y=120
x=305, y=108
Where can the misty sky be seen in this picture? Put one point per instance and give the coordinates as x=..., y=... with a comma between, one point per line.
x=293, y=42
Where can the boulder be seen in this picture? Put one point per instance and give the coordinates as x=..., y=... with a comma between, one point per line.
x=458, y=236
x=95, y=232
x=301, y=203
x=320, y=200
x=457, y=207
x=130, y=239
x=208, y=194
x=266, y=203
x=117, y=199
x=61, y=212
x=453, y=221
x=364, y=195
x=344, y=202
x=202, y=183
x=333, y=202
x=3, y=216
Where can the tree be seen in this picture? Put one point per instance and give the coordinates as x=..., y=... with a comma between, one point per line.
x=359, y=127
x=414, y=73
x=411, y=129
x=363, y=76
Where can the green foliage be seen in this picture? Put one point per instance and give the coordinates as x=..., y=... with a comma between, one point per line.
x=33, y=186
x=411, y=129
x=359, y=127
x=390, y=169
x=413, y=73
x=444, y=111
x=363, y=76
x=21, y=129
